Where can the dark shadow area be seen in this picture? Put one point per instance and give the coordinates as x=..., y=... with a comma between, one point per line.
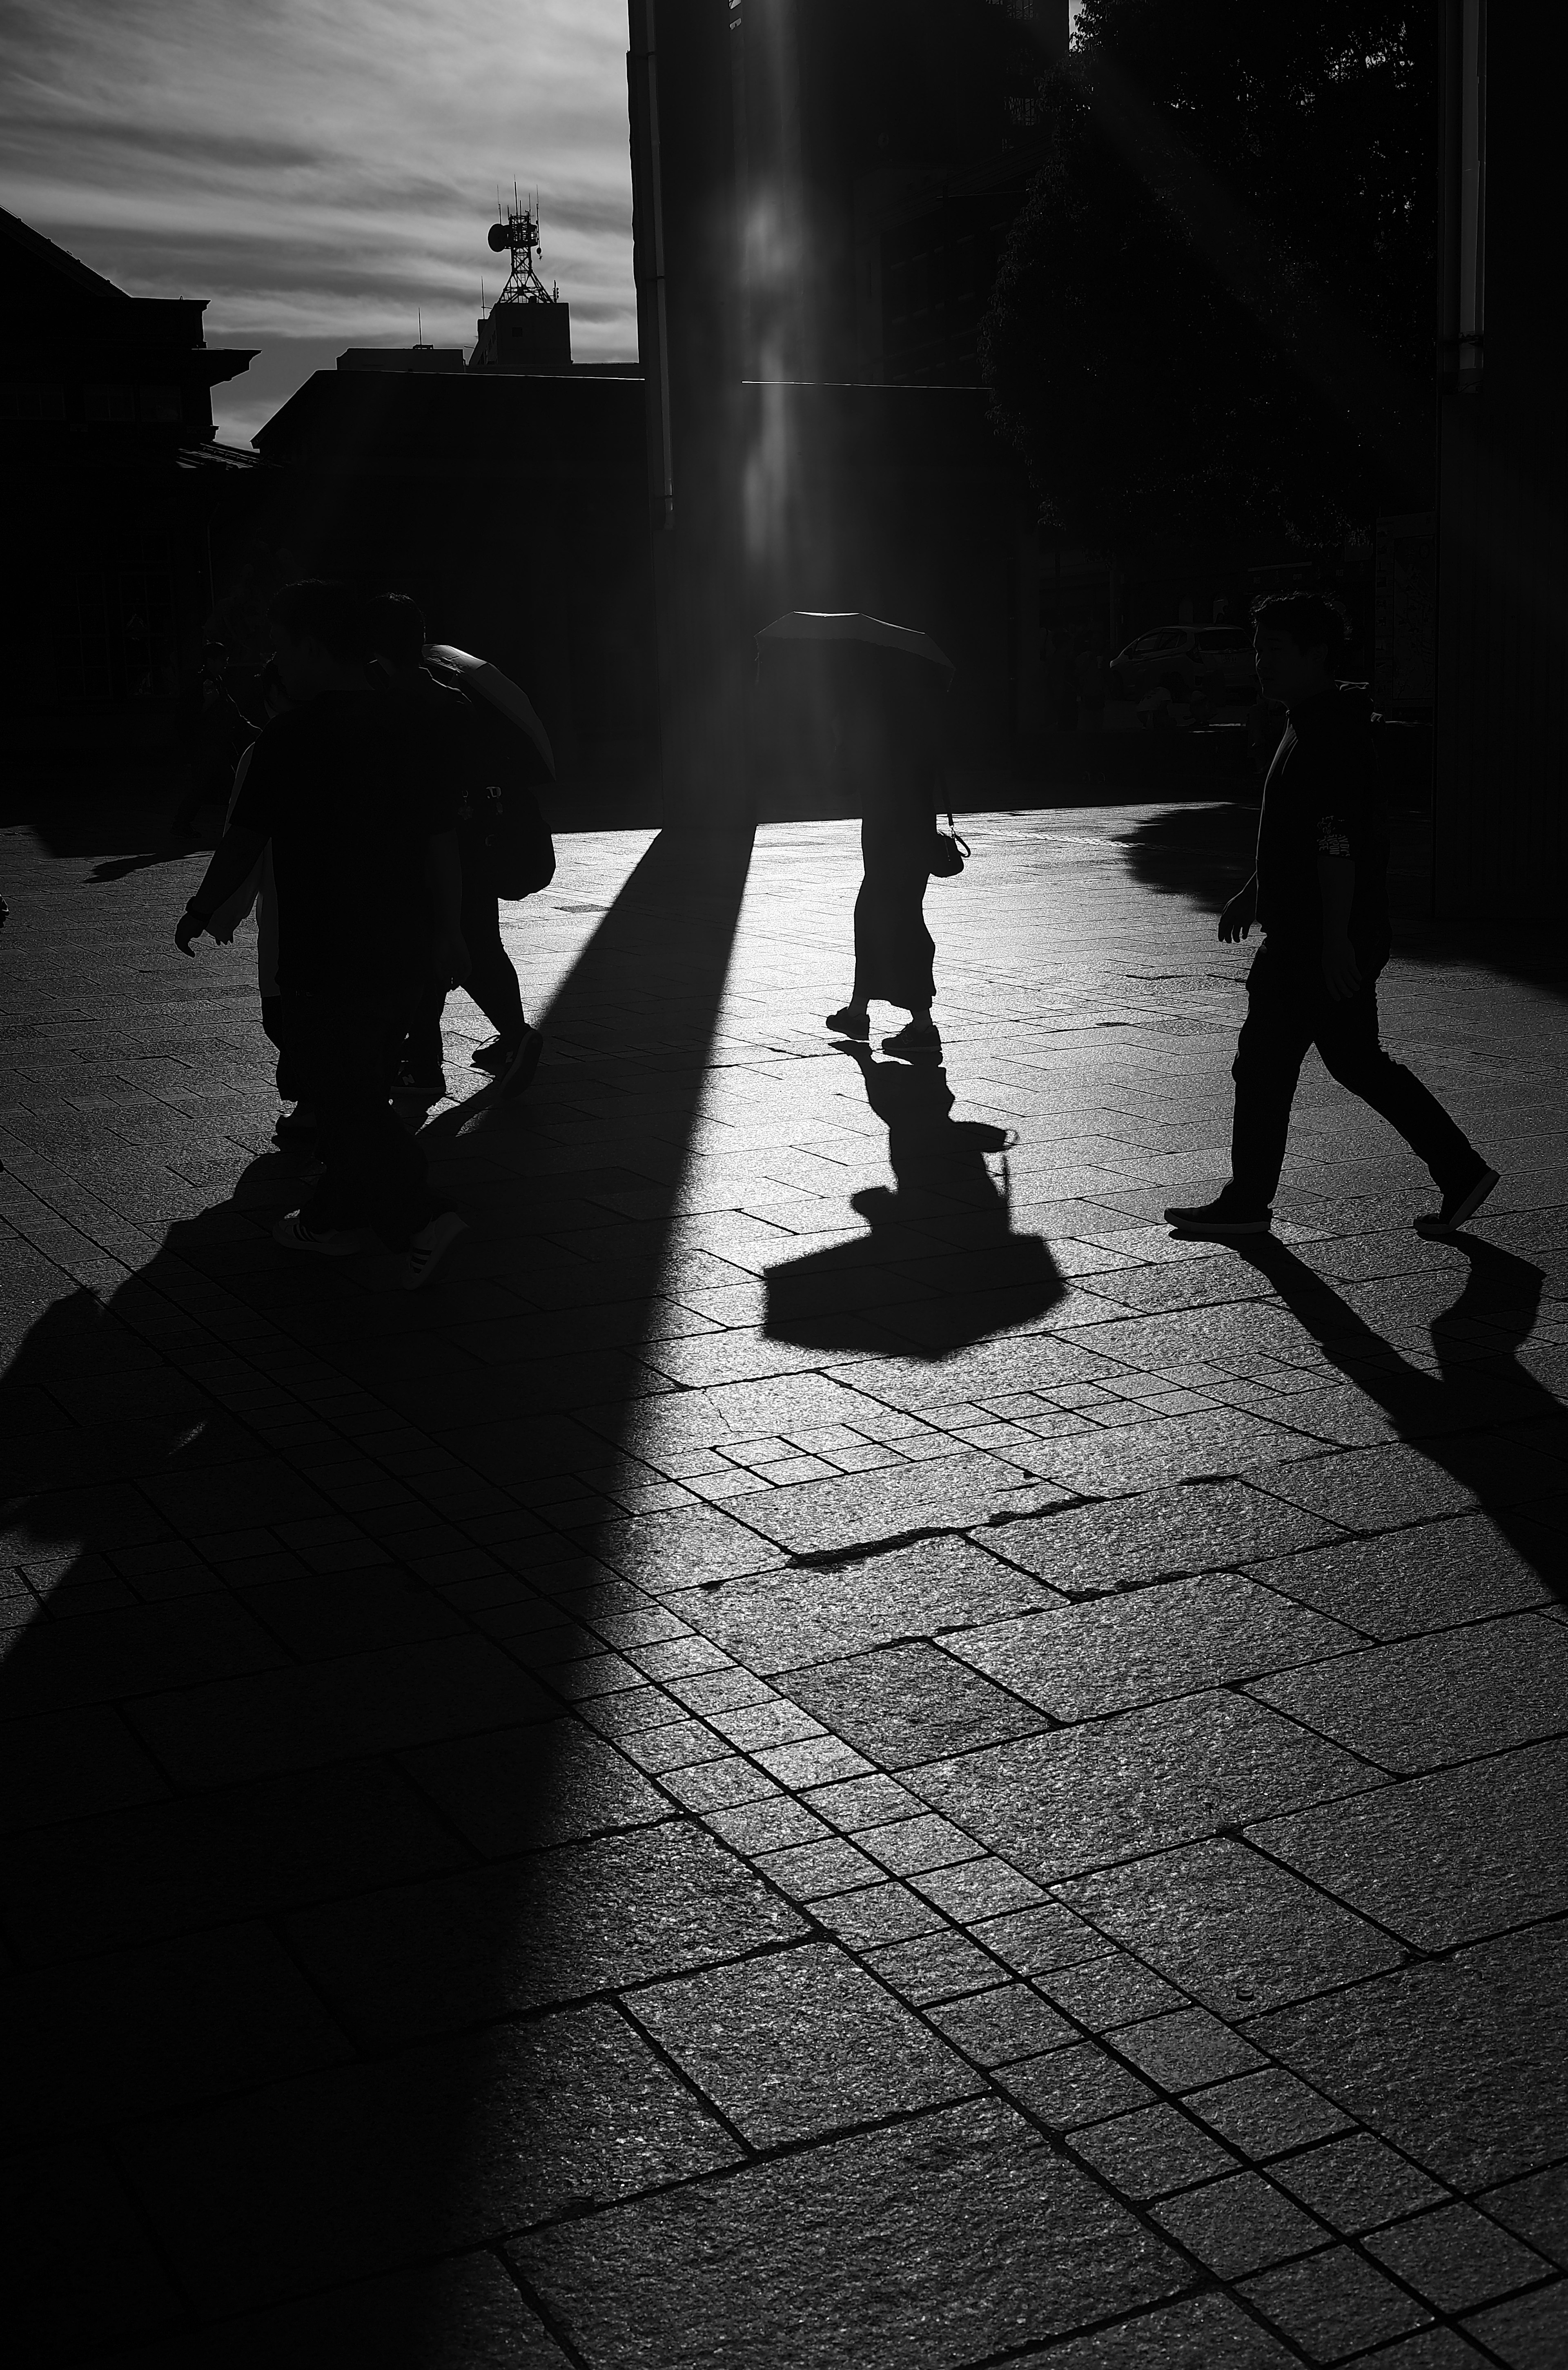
x=1482, y=1419
x=1204, y=853
x=309, y=1876
x=1200, y=853
x=940, y=1267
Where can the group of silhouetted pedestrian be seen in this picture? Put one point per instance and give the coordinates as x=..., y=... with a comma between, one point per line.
x=350, y=830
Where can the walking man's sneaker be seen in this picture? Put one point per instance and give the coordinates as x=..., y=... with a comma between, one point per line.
x=413, y=1087
x=495, y=1055
x=1226, y=1215
x=429, y=1248
x=299, y=1122
x=340, y=1242
x=916, y=1037
x=517, y=1075
x=1462, y=1202
x=847, y=1022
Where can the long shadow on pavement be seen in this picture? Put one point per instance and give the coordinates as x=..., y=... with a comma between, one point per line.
x=314, y=1885
x=848, y=1297
x=1483, y=1418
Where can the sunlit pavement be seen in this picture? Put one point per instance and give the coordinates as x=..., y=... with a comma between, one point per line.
x=833, y=1751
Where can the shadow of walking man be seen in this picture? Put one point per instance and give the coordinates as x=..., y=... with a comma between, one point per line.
x=940, y=1267
x=1483, y=1418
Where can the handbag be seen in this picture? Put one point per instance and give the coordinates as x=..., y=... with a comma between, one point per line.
x=948, y=851
x=519, y=854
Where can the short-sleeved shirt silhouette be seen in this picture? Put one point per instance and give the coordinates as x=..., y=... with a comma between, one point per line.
x=347, y=791
x=1321, y=798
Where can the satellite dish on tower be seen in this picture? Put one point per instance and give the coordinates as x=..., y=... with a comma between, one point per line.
x=518, y=236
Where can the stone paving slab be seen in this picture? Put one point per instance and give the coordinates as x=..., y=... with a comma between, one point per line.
x=834, y=1748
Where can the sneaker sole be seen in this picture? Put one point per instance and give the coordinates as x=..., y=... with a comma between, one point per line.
x=1219, y=1229
x=1439, y=1225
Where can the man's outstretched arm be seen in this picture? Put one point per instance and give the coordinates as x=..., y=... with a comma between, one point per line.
x=234, y=860
x=1240, y=913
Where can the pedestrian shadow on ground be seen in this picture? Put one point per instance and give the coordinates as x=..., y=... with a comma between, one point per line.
x=941, y=1266
x=289, y=1830
x=1200, y=853
x=1483, y=1419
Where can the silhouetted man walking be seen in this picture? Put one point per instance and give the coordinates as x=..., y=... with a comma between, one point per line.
x=1320, y=893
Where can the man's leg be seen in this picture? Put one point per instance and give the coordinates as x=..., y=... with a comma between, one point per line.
x=373, y=1172
x=1348, y=1040
x=1269, y=1055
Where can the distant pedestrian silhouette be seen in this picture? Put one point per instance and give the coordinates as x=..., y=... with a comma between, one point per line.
x=888, y=758
x=880, y=1291
x=453, y=727
x=1320, y=892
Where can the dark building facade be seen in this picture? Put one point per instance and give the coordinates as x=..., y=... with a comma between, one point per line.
x=820, y=187
x=1501, y=839
x=510, y=505
x=116, y=493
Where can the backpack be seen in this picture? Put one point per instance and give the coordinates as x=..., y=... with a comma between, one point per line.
x=518, y=852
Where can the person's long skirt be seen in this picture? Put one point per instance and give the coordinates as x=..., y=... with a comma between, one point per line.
x=894, y=950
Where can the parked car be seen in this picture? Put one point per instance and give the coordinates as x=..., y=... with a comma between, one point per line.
x=1195, y=666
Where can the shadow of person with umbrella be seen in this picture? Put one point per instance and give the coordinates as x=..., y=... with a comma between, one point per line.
x=940, y=1267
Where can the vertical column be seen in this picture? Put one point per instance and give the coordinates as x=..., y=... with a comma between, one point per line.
x=687, y=129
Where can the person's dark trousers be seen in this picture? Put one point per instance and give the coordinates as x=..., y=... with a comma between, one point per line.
x=1288, y=1009
x=273, y=1021
x=491, y=981
x=344, y=1056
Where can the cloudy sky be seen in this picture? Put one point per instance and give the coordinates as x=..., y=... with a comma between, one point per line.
x=320, y=171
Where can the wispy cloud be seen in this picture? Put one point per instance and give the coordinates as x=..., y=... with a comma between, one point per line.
x=320, y=172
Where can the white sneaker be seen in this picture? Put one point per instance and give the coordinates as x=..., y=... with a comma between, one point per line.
x=518, y=1074
x=295, y=1235
x=429, y=1246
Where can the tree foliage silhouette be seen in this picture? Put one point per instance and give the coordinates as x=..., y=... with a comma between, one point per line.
x=1212, y=311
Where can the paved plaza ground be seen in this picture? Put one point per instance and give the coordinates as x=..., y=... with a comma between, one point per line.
x=834, y=1753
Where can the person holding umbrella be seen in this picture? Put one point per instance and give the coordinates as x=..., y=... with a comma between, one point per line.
x=398, y=633
x=889, y=678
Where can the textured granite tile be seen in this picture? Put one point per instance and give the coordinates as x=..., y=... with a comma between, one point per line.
x=1233, y=1929
x=796, y=1616
x=1403, y=1582
x=1333, y=2304
x=1266, y=2111
x=981, y=2241
x=904, y=1704
x=1463, y=2063
x=517, y=1790
x=1530, y=2333
x=797, y=2044
x=996, y=2027
x=1114, y=1790
x=1425, y=1701
x=1356, y=2182
x=1456, y=2258
x=1070, y=2086
x=1204, y=1526
x=1449, y=1858
x=1238, y=2224
x=1151, y=2152
x=1090, y=1659
x=1536, y=2209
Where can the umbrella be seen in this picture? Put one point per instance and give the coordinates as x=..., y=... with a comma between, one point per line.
x=499, y=689
x=853, y=625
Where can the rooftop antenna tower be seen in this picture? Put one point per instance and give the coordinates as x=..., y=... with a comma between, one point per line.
x=517, y=233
